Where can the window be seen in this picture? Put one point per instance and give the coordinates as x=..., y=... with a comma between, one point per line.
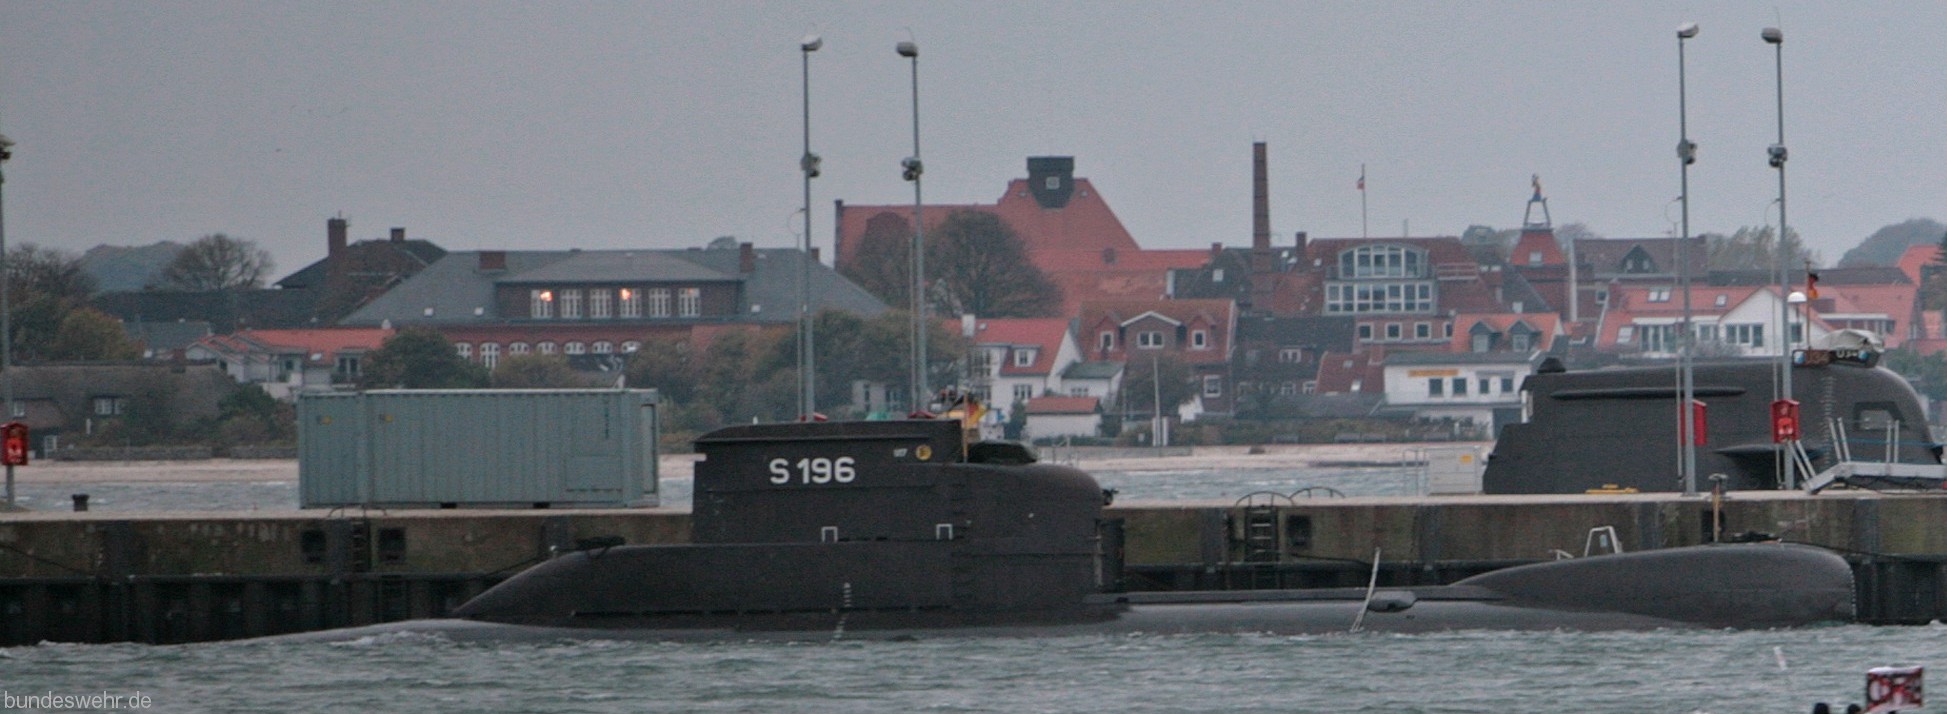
x=576, y=348
x=347, y=365
x=1382, y=261
x=1217, y=275
x=547, y=348
x=1798, y=332
x=689, y=302
x=598, y=303
x=1199, y=340
x=1422, y=331
x=1291, y=355
x=109, y=406
x=571, y=304
x=1483, y=386
x=1507, y=385
x=19, y=410
x=1149, y=340
x=1483, y=342
x=517, y=348
x=1447, y=328
x=1379, y=297
x=1601, y=297
x=1706, y=333
x=1519, y=341
x=1750, y=335
x=1108, y=341
x=540, y=304
x=1365, y=331
x=1078, y=391
x=1311, y=386
x=1023, y=392
x=604, y=347
x=464, y=350
x=1436, y=387
x=1659, y=295
x=1625, y=333
x=1722, y=300
x=1460, y=386
x=1534, y=257
x=631, y=346
x=1024, y=357
x=1213, y=385
x=489, y=354
x=631, y=302
x=1053, y=183
x=659, y=302
x=1392, y=331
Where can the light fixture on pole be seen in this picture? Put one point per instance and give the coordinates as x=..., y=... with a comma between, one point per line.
x=1775, y=154
x=1797, y=298
x=6, y=315
x=807, y=348
x=1686, y=377
x=913, y=169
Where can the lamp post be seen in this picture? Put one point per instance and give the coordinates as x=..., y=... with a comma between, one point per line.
x=6, y=315
x=1686, y=377
x=913, y=169
x=807, y=349
x=1787, y=475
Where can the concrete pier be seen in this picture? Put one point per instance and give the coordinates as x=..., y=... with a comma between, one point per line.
x=105, y=576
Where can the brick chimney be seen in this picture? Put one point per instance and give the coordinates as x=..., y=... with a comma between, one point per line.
x=398, y=235
x=1302, y=240
x=746, y=258
x=1260, y=210
x=493, y=260
x=335, y=248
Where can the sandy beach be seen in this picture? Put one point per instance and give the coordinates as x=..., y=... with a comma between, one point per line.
x=682, y=465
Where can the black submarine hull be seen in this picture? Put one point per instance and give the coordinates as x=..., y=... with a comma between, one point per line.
x=895, y=529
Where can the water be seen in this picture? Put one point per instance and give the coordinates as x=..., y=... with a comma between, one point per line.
x=1171, y=485
x=1664, y=671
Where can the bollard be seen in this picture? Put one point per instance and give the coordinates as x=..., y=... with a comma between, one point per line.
x=80, y=502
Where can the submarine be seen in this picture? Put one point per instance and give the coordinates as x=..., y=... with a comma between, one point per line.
x=890, y=529
x=1616, y=428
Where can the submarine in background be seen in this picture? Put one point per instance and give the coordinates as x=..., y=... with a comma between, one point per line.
x=1617, y=428
x=891, y=528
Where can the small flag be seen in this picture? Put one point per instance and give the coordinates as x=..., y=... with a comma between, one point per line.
x=1362, y=178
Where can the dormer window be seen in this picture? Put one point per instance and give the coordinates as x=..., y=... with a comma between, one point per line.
x=1025, y=356
x=1659, y=295
x=1199, y=340
x=1149, y=340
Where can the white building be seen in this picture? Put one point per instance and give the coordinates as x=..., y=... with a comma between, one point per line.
x=1482, y=388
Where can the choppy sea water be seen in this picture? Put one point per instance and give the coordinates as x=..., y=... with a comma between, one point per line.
x=1662, y=671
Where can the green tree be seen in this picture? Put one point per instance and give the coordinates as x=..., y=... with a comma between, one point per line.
x=1141, y=388
x=977, y=265
x=88, y=334
x=1757, y=247
x=1886, y=245
x=216, y=262
x=537, y=371
x=420, y=358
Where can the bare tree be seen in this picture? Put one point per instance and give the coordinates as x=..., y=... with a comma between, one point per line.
x=979, y=266
x=217, y=262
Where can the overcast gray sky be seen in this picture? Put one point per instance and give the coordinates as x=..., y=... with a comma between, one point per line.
x=665, y=124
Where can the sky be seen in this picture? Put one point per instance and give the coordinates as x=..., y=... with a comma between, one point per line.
x=527, y=126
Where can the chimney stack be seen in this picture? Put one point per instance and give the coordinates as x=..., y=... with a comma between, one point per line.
x=493, y=260
x=335, y=230
x=1260, y=199
x=746, y=258
x=398, y=235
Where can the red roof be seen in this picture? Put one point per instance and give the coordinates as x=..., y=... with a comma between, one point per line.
x=1064, y=405
x=1533, y=241
x=1548, y=325
x=1338, y=371
x=1916, y=257
x=1042, y=334
x=1215, y=318
x=318, y=346
x=1084, y=224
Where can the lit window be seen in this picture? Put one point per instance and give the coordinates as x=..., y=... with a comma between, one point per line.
x=540, y=304
x=631, y=303
x=571, y=304
x=598, y=303
x=689, y=302
x=659, y=302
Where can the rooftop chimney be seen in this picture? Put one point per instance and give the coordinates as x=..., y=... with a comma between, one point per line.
x=746, y=258
x=398, y=235
x=335, y=230
x=493, y=260
x=1051, y=179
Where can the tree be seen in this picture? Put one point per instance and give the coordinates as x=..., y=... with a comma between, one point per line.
x=882, y=264
x=1927, y=373
x=1140, y=389
x=1886, y=245
x=1566, y=236
x=88, y=334
x=216, y=262
x=1500, y=241
x=537, y=371
x=44, y=286
x=420, y=358
x=249, y=415
x=1757, y=247
x=977, y=265
x=663, y=365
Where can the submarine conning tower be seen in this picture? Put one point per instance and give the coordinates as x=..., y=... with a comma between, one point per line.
x=891, y=523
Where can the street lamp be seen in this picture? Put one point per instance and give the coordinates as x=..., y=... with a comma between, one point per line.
x=1686, y=377
x=6, y=315
x=913, y=168
x=1788, y=477
x=807, y=349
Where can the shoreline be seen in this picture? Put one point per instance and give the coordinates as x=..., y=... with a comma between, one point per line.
x=682, y=466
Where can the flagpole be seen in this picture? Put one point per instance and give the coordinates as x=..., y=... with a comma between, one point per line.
x=1363, y=232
